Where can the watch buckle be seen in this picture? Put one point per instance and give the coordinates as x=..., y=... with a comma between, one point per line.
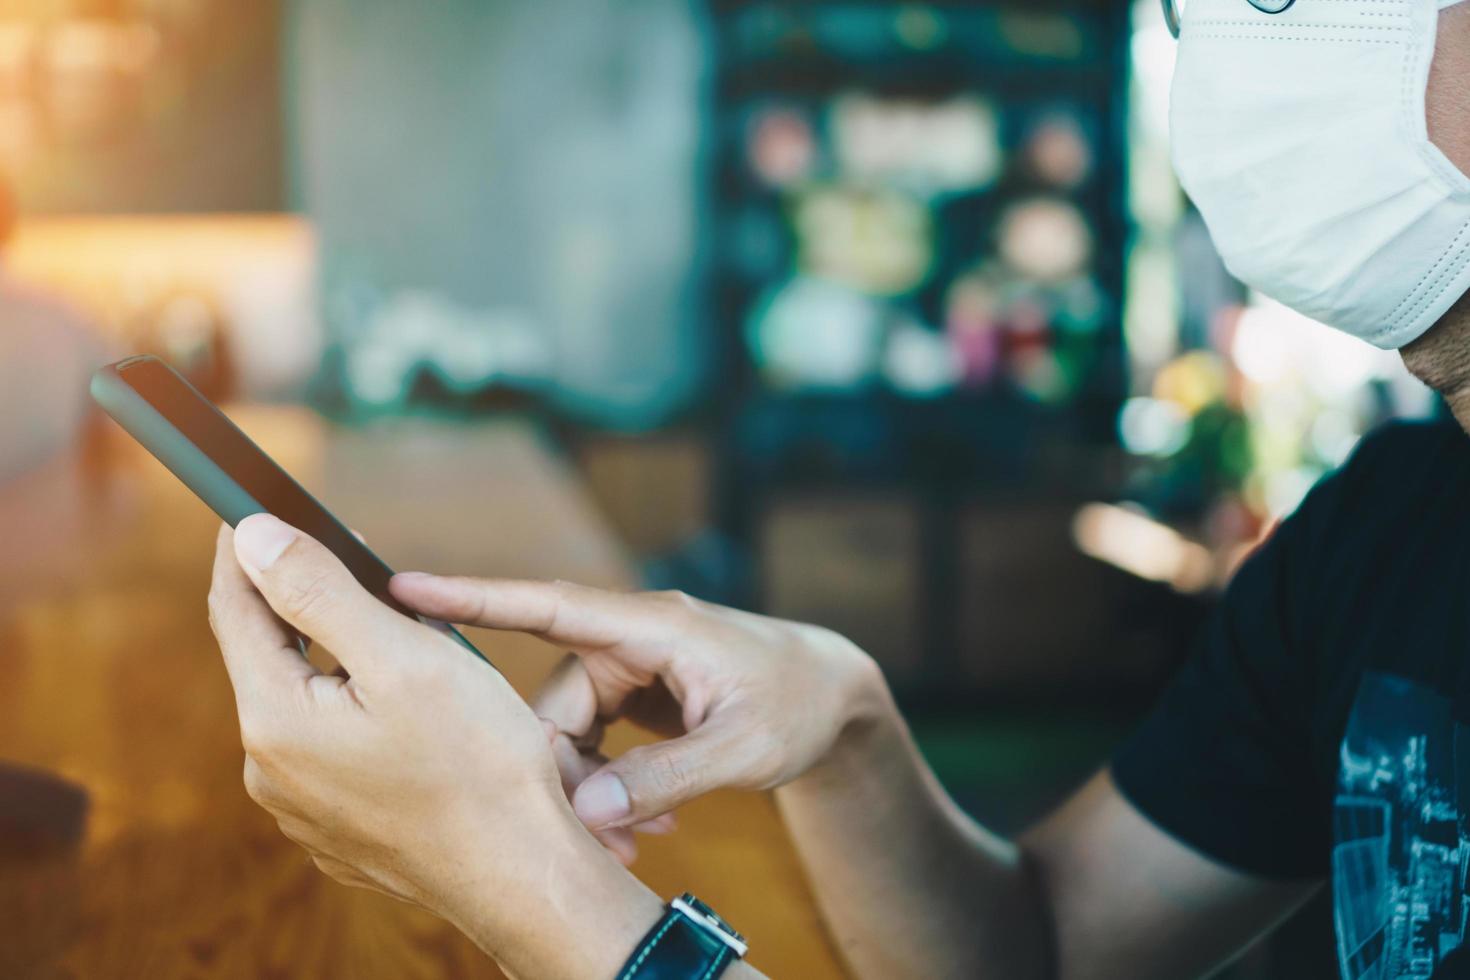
x=713, y=924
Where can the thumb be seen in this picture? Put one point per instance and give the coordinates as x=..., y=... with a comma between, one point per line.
x=648, y=781
x=309, y=587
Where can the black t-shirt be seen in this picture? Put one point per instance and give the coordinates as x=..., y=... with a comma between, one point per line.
x=1320, y=728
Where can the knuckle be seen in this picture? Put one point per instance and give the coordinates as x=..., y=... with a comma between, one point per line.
x=812, y=633
x=257, y=786
x=563, y=595
x=260, y=740
x=678, y=600
x=306, y=599
x=297, y=833
x=337, y=871
x=215, y=605
x=667, y=776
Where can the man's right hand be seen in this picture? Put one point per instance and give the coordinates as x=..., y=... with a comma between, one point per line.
x=745, y=701
x=909, y=885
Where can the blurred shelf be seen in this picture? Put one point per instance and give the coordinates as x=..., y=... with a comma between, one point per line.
x=912, y=75
x=911, y=522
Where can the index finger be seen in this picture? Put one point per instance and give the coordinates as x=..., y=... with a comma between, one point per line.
x=259, y=650
x=581, y=619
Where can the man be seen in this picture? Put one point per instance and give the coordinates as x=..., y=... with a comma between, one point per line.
x=1315, y=735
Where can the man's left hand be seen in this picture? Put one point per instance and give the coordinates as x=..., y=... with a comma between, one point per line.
x=421, y=774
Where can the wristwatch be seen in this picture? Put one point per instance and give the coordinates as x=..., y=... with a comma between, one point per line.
x=690, y=942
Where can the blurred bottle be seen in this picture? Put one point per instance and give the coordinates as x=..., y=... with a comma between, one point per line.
x=186, y=327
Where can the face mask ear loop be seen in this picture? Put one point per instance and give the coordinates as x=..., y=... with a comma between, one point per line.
x=1272, y=6
x=1172, y=19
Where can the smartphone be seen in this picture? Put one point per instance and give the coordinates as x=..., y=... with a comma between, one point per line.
x=227, y=470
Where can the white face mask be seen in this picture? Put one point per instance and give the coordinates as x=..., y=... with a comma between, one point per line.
x=1301, y=137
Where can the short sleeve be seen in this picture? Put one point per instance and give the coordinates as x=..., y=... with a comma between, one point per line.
x=1224, y=763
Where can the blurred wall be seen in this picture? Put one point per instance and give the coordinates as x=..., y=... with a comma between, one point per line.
x=531, y=161
x=140, y=106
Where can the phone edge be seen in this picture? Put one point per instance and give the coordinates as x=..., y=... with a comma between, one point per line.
x=192, y=467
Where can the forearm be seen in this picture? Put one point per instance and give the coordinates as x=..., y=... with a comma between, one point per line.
x=908, y=884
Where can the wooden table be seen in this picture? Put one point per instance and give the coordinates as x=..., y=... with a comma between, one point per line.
x=109, y=678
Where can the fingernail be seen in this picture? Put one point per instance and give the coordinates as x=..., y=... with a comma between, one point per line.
x=413, y=577
x=602, y=801
x=260, y=539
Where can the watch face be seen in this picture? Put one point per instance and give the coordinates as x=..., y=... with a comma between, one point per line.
x=1272, y=6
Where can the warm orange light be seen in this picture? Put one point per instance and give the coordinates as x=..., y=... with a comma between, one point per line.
x=101, y=46
x=254, y=274
x=1141, y=545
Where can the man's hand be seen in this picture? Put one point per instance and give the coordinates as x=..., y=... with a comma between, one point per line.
x=422, y=774
x=747, y=702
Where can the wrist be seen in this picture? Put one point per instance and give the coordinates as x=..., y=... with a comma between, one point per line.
x=872, y=733
x=561, y=906
x=868, y=707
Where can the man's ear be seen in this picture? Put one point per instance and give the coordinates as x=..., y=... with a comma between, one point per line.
x=1447, y=101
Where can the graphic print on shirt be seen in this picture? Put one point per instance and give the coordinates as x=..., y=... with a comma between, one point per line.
x=1401, y=845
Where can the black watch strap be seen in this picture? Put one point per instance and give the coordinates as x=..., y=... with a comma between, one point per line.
x=690, y=942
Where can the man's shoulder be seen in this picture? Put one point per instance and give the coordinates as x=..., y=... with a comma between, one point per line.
x=1412, y=435
x=1400, y=453
x=1398, y=474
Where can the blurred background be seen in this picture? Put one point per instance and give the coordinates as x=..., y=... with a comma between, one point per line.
x=888, y=316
